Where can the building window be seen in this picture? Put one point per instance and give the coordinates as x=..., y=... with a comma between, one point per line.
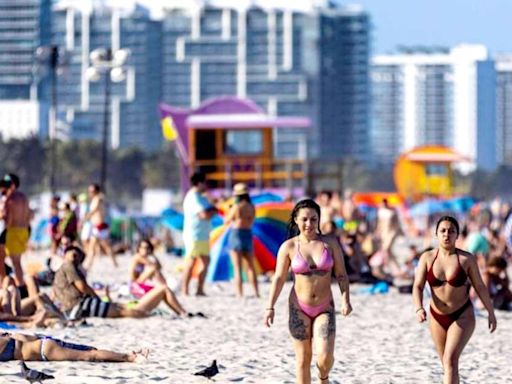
x=246, y=142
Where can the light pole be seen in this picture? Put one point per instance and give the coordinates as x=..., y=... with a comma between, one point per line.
x=49, y=55
x=110, y=64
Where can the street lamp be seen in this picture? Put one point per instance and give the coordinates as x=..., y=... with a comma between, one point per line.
x=109, y=63
x=49, y=55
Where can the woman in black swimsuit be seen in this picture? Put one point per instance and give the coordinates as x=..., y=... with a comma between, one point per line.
x=450, y=273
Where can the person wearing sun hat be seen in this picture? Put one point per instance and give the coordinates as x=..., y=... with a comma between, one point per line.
x=241, y=217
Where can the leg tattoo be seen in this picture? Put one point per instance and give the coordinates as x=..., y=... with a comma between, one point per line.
x=296, y=324
x=328, y=328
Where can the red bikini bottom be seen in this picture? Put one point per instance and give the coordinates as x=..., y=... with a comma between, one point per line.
x=445, y=320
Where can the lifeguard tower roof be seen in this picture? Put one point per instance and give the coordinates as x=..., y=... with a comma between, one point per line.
x=227, y=112
x=244, y=120
x=434, y=154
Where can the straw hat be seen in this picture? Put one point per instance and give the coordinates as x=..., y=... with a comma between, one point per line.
x=240, y=189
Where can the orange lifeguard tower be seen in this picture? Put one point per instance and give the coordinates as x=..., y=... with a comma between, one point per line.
x=231, y=140
x=426, y=171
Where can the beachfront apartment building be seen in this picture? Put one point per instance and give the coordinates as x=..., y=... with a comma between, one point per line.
x=24, y=26
x=79, y=28
x=432, y=95
x=303, y=58
x=503, y=109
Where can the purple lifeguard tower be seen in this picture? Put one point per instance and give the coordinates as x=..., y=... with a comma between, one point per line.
x=231, y=140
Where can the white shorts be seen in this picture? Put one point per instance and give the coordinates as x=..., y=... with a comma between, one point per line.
x=101, y=232
x=86, y=232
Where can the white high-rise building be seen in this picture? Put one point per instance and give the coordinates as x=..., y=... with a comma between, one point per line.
x=424, y=95
x=20, y=118
x=503, y=109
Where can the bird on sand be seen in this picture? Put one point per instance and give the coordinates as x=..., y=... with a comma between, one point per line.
x=209, y=372
x=32, y=375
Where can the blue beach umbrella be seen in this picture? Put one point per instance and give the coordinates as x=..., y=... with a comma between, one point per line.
x=174, y=219
x=428, y=207
x=461, y=204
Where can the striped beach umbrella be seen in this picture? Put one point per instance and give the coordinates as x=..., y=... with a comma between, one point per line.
x=269, y=231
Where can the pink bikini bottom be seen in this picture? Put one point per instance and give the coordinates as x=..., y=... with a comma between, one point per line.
x=313, y=311
x=140, y=289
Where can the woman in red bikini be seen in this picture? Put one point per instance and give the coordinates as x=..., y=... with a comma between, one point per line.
x=312, y=258
x=450, y=273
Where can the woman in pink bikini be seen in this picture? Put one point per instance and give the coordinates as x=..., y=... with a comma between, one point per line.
x=450, y=273
x=146, y=275
x=312, y=258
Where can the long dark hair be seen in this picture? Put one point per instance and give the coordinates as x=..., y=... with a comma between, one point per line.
x=451, y=220
x=151, y=248
x=293, y=229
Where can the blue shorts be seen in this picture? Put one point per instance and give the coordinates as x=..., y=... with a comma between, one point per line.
x=240, y=240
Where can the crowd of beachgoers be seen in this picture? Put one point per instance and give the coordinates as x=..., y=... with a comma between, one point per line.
x=379, y=247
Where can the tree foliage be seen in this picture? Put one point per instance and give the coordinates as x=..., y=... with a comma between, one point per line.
x=78, y=163
x=130, y=170
x=26, y=158
x=161, y=169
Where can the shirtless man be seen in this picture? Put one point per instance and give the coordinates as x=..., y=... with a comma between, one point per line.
x=100, y=229
x=241, y=217
x=16, y=215
x=328, y=211
x=350, y=213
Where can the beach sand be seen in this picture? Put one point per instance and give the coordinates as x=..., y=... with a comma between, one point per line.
x=380, y=342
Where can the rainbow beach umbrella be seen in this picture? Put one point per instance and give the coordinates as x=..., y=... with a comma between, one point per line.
x=269, y=231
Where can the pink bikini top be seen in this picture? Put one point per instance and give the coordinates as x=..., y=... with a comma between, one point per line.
x=301, y=266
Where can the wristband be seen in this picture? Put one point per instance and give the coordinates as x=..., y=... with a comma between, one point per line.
x=420, y=309
x=269, y=309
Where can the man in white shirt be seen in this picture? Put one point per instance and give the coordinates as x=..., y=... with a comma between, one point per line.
x=198, y=212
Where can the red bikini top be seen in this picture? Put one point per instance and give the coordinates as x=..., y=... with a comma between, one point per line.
x=458, y=280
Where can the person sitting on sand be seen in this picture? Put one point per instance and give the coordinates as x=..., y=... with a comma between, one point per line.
x=44, y=348
x=77, y=299
x=37, y=310
x=12, y=302
x=496, y=279
x=37, y=320
x=146, y=274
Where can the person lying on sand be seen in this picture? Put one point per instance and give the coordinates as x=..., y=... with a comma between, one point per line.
x=44, y=348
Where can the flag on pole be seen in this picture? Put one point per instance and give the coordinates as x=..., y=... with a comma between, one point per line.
x=169, y=129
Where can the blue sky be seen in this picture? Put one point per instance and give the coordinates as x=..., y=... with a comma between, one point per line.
x=439, y=22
